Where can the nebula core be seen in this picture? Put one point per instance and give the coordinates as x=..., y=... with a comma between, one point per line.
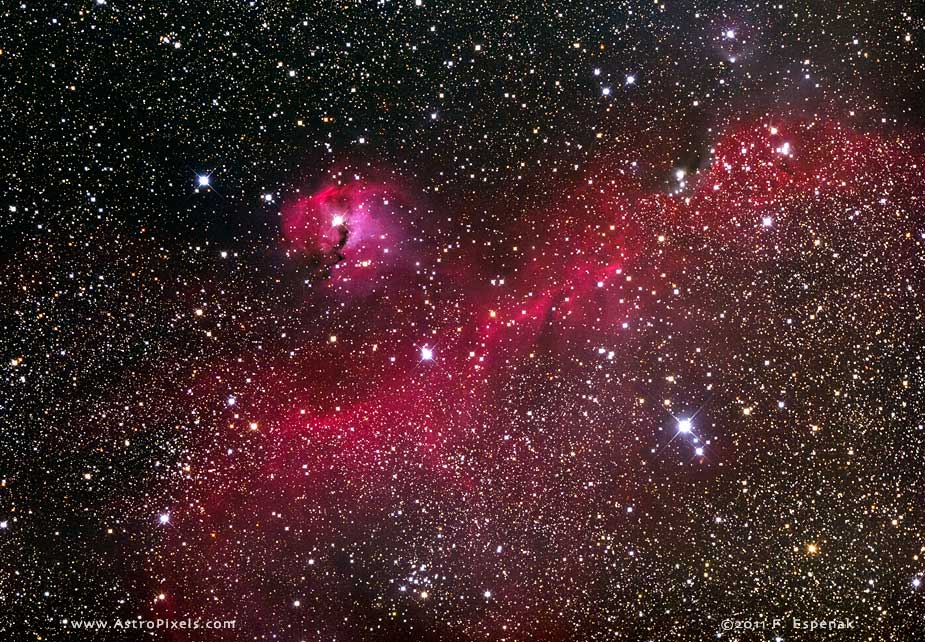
x=441, y=321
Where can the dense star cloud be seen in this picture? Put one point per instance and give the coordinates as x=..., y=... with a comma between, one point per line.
x=452, y=321
x=595, y=418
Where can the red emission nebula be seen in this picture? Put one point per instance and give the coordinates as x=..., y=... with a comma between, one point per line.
x=520, y=432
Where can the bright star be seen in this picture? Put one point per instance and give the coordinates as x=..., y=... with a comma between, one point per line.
x=427, y=354
x=204, y=181
x=164, y=518
x=684, y=425
x=337, y=221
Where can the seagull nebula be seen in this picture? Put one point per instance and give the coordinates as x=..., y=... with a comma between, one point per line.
x=424, y=320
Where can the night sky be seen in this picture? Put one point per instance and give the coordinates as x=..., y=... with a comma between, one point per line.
x=471, y=321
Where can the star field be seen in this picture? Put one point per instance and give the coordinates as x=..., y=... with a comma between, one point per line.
x=420, y=320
